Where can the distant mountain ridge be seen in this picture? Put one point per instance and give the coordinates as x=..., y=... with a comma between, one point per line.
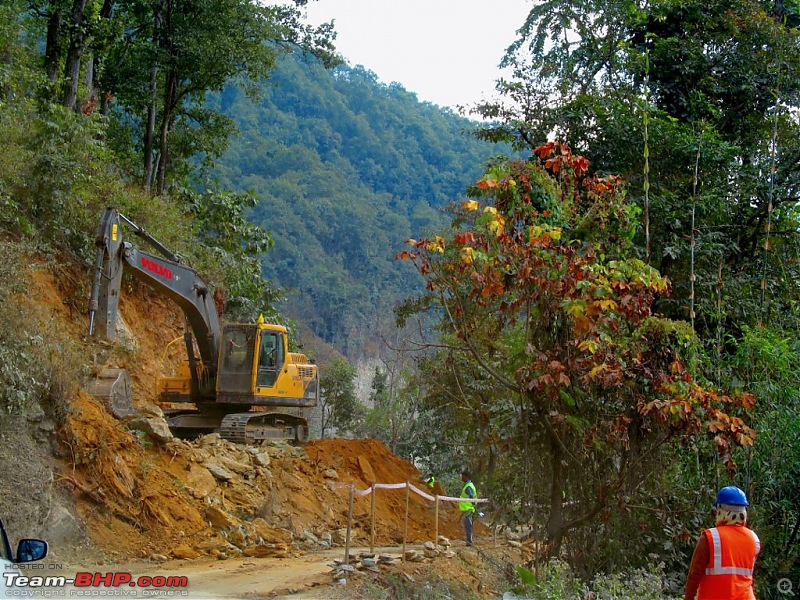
x=347, y=169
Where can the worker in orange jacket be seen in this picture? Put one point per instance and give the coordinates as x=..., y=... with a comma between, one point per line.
x=725, y=555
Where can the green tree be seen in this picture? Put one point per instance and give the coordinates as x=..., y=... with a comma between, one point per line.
x=541, y=295
x=339, y=404
x=158, y=59
x=715, y=84
x=235, y=247
x=769, y=361
x=394, y=401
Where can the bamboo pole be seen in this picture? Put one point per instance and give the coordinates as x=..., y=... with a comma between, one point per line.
x=405, y=524
x=349, y=526
x=372, y=523
x=436, y=520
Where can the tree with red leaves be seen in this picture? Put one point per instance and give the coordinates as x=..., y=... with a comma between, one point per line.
x=542, y=298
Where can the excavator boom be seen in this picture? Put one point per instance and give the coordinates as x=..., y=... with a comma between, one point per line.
x=167, y=275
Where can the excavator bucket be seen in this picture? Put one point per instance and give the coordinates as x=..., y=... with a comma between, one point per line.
x=113, y=388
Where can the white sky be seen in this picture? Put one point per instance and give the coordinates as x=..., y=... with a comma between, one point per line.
x=445, y=51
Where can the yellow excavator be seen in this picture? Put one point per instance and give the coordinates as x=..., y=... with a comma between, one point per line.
x=240, y=379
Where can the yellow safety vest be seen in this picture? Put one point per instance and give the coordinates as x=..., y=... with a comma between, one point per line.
x=467, y=506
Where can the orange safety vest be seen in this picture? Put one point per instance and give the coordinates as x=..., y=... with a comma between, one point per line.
x=729, y=574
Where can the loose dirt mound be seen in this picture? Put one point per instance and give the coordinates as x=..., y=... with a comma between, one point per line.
x=186, y=499
x=140, y=498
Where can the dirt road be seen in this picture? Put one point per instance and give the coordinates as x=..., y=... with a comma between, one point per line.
x=306, y=577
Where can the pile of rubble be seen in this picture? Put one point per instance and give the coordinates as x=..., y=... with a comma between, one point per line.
x=185, y=499
x=370, y=562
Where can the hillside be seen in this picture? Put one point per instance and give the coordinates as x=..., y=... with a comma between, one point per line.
x=129, y=495
x=105, y=494
x=346, y=169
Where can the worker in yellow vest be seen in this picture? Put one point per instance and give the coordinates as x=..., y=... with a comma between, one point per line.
x=468, y=508
x=725, y=555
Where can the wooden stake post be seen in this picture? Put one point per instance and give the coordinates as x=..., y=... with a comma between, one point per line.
x=372, y=523
x=349, y=526
x=405, y=525
x=436, y=520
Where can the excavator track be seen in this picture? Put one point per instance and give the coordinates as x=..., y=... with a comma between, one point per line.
x=250, y=427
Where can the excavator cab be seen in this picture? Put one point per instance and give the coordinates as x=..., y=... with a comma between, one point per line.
x=256, y=368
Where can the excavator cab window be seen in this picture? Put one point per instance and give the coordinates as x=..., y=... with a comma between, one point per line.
x=270, y=358
x=238, y=351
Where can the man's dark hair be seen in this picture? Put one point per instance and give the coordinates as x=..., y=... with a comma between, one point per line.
x=466, y=473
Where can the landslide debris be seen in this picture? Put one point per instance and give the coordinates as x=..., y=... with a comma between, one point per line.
x=138, y=493
x=185, y=499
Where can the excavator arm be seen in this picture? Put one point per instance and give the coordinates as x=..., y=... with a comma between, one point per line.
x=166, y=275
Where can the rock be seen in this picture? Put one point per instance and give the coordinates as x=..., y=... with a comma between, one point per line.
x=212, y=546
x=330, y=474
x=366, y=469
x=311, y=537
x=235, y=466
x=219, y=519
x=429, y=545
x=369, y=562
x=514, y=544
x=388, y=559
x=269, y=534
x=155, y=428
x=219, y=472
x=443, y=541
x=158, y=558
x=61, y=527
x=339, y=536
x=148, y=409
x=345, y=568
x=260, y=458
x=184, y=551
x=264, y=550
x=200, y=481
x=430, y=553
x=238, y=537
x=211, y=439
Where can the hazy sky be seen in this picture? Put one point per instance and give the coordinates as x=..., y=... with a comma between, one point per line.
x=446, y=51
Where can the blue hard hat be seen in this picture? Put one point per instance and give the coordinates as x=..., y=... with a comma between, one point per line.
x=731, y=495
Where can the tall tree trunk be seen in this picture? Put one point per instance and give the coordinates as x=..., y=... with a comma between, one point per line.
x=555, y=521
x=93, y=69
x=150, y=126
x=77, y=43
x=170, y=102
x=53, y=48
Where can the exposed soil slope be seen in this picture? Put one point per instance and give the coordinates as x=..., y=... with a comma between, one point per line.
x=140, y=497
